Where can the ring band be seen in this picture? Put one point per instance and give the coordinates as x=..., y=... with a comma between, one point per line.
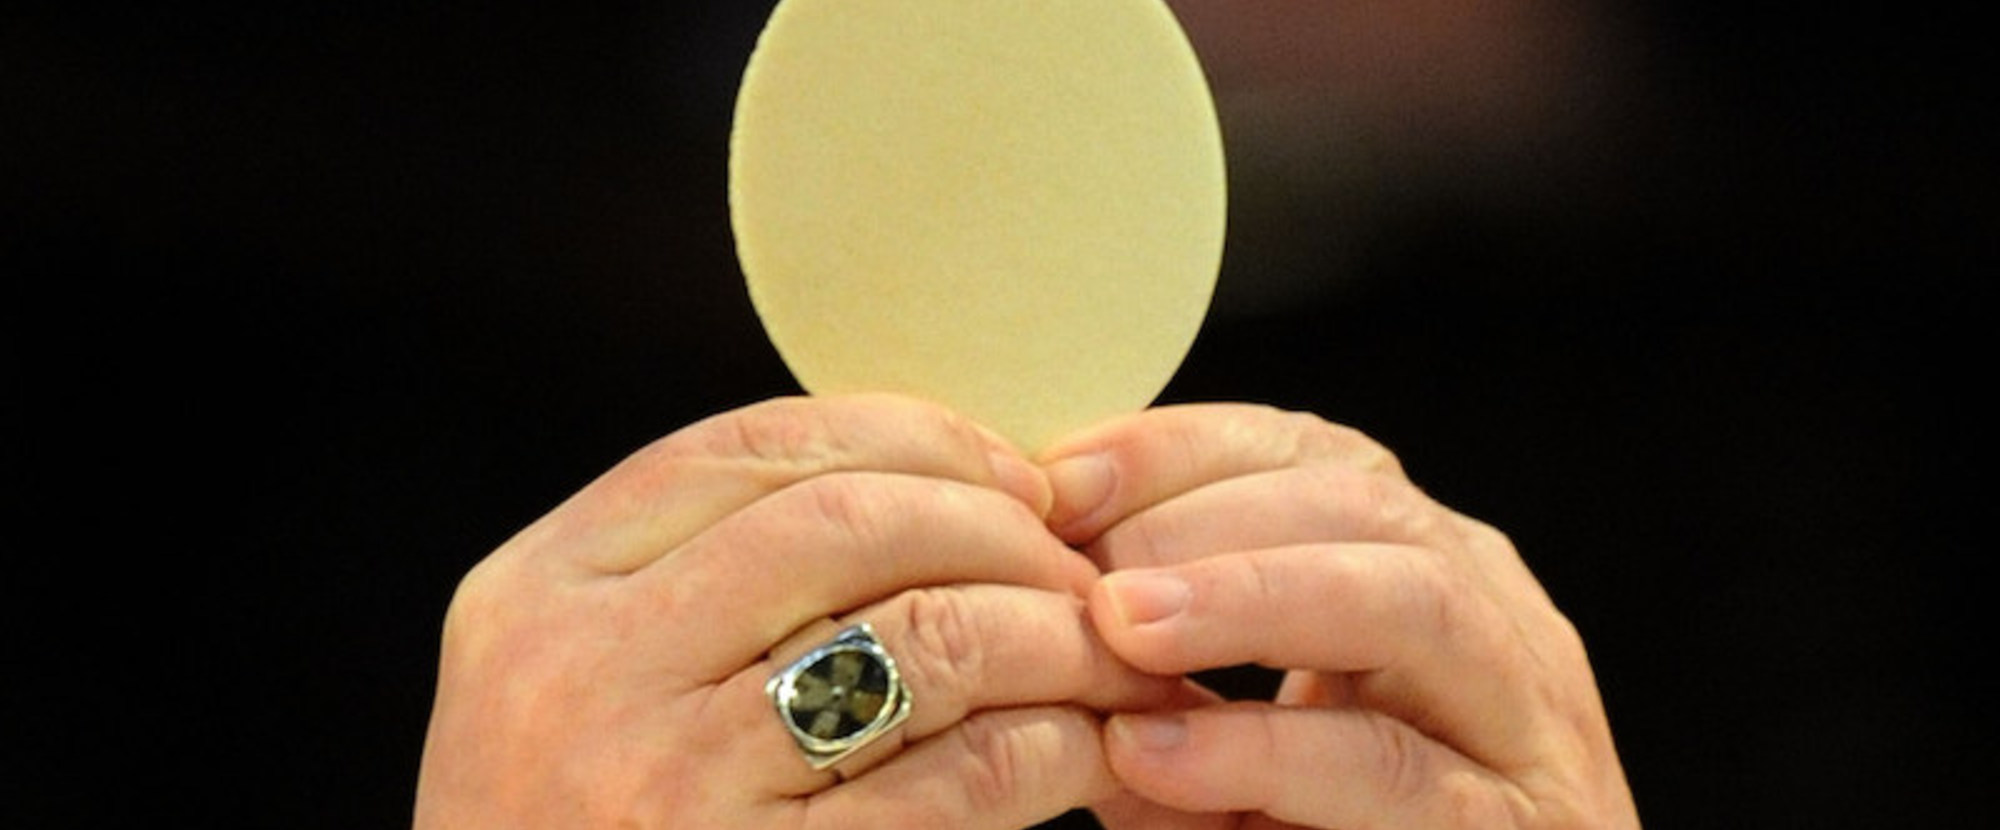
x=840, y=697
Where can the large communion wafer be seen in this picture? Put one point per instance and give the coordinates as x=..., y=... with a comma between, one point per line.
x=1011, y=207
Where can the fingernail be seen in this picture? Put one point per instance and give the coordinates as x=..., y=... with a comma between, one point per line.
x=1082, y=484
x=1022, y=480
x=1140, y=598
x=1151, y=733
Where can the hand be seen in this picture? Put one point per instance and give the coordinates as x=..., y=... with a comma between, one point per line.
x=1432, y=682
x=606, y=667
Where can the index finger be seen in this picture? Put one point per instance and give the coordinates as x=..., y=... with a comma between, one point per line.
x=1426, y=641
x=1105, y=474
x=670, y=491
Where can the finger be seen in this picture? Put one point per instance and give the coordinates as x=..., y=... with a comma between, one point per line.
x=1118, y=469
x=1422, y=644
x=1346, y=768
x=828, y=546
x=666, y=493
x=959, y=650
x=997, y=770
x=963, y=649
x=1320, y=502
x=1361, y=603
x=1131, y=811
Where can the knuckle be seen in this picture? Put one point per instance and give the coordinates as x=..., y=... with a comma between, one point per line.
x=1443, y=603
x=1483, y=540
x=483, y=603
x=1559, y=804
x=803, y=436
x=1485, y=536
x=783, y=433
x=1312, y=436
x=1563, y=640
x=942, y=649
x=1370, y=454
x=1380, y=507
x=1451, y=608
x=1415, y=515
x=784, y=430
x=1264, y=581
x=1468, y=799
x=849, y=504
x=995, y=766
x=956, y=426
x=996, y=758
x=1410, y=777
x=1316, y=437
x=1401, y=511
x=1402, y=762
x=821, y=431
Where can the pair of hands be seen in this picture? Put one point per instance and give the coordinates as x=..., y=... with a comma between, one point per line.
x=606, y=666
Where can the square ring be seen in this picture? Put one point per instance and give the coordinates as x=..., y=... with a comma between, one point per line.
x=840, y=697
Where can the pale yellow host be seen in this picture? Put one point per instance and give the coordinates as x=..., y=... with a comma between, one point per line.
x=1011, y=207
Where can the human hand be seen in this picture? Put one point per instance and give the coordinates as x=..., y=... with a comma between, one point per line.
x=1432, y=683
x=607, y=666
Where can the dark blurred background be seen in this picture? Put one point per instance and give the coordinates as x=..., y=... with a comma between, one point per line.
x=315, y=304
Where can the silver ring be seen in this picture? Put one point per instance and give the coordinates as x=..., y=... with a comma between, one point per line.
x=840, y=697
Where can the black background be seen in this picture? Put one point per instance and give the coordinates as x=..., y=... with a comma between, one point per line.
x=312, y=306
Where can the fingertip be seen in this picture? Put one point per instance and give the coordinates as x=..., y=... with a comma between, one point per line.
x=1138, y=615
x=1083, y=581
x=1012, y=472
x=1154, y=755
x=1206, y=759
x=1022, y=480
x=1144, y=598
x=1150, y=734
x=1081, y=486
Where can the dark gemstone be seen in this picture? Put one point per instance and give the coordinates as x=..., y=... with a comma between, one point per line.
x=839, y=695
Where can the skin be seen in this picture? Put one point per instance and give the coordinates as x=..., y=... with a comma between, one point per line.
x=605, y=667
x=1432, y=683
